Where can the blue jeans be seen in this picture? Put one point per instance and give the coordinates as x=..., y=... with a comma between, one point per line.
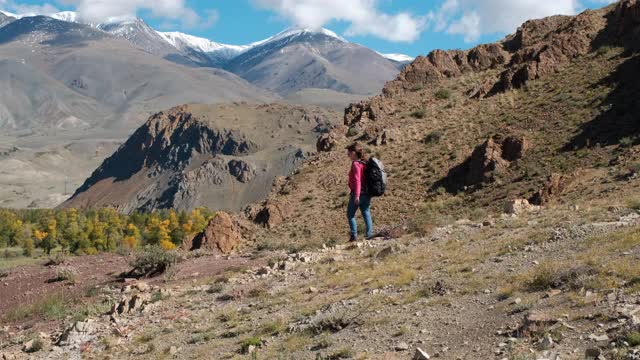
x=365, y=208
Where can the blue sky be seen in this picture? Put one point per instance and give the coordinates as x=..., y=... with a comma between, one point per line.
x=411, y=27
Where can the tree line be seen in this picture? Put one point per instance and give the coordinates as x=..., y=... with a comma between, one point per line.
x=102, y=230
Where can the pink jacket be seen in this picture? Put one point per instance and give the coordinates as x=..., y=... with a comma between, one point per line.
x=355, y=178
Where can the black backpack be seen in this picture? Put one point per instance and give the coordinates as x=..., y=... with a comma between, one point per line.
x=375, y=178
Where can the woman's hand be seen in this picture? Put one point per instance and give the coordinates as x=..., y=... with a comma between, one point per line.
x=357, y=201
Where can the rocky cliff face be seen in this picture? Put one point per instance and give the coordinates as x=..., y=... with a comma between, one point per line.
x=220, y=156
x=538, y=49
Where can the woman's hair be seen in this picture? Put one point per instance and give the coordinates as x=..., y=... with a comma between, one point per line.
x=357, y=148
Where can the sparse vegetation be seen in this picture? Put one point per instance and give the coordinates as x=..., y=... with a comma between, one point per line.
x=419, y=114
x=248, y=342
x=66, y=273
x=153, y=260
x=433, y=137
x=443, y=94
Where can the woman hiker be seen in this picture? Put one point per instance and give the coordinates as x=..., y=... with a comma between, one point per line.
x=359, y=197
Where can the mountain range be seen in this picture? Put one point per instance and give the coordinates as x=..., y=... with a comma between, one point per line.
x=71, y=91
x=88, y=66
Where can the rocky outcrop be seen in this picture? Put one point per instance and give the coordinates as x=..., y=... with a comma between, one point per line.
x=327, y=142
x=491, y=157
x=440, y=64
x=222, y=235
x=273, y=214
x=202, y=155
x=519, y=206
x=555, y=185
x=543, y=46
x=370, y=110
x=242, y=171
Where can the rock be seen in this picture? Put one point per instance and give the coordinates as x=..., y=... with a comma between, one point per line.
x=142, y=286
x=221, y=235
x=535, y=322
x=7, y=356
x=273, y=214
x=327, y=142
x=601, y=340
x=439, y=64
x=491, y=157
x=78, y=333
x=555, y=185
x=313, y=290
x=173, y=350
x=402, y=346
x=553, y=292
x=241, y=170
x=546, y=343
x=519, y=206
x=365, y=111
x=265, y=270
x=29, y=346
x=421, y=355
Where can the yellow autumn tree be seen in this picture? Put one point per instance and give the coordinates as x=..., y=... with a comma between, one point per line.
x=132, y=236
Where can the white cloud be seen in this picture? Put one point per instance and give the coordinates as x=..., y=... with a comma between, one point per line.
x=28, y=9
x=364, y=17
x=472, y=18
x=96, y=11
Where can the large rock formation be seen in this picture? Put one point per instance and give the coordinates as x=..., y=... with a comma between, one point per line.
x=538, y=48
x=203, y=155
x=487, y=159
x=221, y=235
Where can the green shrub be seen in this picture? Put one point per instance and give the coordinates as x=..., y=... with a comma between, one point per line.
x=443, y=94
x=36, y=346
x=419, y=114
x=66, y=273
x=627, y=141
x=344, y=353
x=433, y=137
x=417, y=87
x=633, y=338
x=152, y=261
x=603, y=50
x=248, y=342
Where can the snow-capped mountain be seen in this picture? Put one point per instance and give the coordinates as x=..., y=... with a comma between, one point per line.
x=292, y=60
x=216, y=54
x=5, y=19
x=299, y=58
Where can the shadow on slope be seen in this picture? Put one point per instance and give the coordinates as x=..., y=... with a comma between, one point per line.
x=620, y=110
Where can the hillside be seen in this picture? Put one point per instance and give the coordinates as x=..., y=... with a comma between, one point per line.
x=203, y=155
x=511, y=228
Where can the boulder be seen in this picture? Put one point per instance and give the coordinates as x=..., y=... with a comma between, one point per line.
x=326, y=142
x=494, y=155
x=222, y=234
x=555, y=185
x=519, y=206
x=273, y=214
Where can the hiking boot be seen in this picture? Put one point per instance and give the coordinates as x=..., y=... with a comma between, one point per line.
x=353, y=238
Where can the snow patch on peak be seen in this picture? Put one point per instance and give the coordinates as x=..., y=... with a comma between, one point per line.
x=69, y=16
x=398, y=57
x=178, y=40
x=6, y=13
x=296, y=31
